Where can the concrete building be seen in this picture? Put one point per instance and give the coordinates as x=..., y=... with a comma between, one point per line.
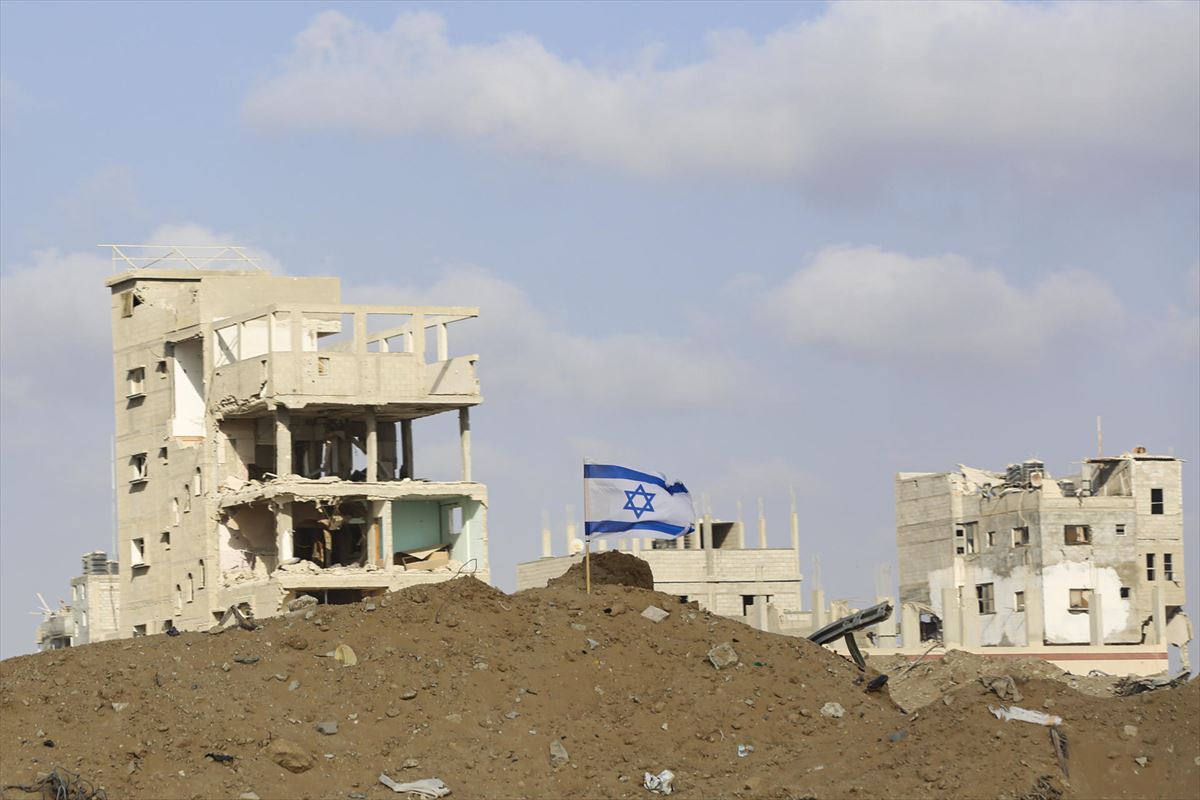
x=265, y=441
x=91, y=615
x=1019, y=559
x=713, y=566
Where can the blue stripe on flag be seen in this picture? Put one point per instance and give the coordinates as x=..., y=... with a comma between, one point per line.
x=626, y=474
x=616, y=526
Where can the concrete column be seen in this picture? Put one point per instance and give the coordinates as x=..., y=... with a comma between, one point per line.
x=547, y=546
x=910, y=625
x=760, y=613
x=679, y=541
x=570, y=530
x=886, y=630
x=406, y=449
x=283, y=442
x=418, y=337
x=283, y=532
x=1096, y=619
x=464, y=438
x=388, y=547
x=951, y=618
x=360, y=333
x=443, y=342
x=1035, y=613
x=796, y=554
x=345, y=456
x=762, y=526
x=970, y=610
x=709, y=560
x=818, y=608
x=387, y=450
x=372, y=447
x=1159, y=628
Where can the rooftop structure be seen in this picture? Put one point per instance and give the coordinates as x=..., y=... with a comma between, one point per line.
x=265, y=445
x=91, y=615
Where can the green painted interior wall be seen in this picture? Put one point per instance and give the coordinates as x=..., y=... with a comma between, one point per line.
x=416, y=524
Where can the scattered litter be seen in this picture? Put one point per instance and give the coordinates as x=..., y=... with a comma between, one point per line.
x=220, y=758
x=655, y=614
x=427, y=787
x=48, y=743
x=592, y=644
x=62, y=783
x=1130, y=685
x=1025, y=715
x=245, y=621
x=343, y=654
x=660, y=783
x=723, y=655
x=760, y=663
x=745, y=750
x=834, y=710
x=877, y=683
x=1003, y=687
x=1059, y=740
x=1141, y=761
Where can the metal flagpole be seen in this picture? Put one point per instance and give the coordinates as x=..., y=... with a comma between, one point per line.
x=587, y=544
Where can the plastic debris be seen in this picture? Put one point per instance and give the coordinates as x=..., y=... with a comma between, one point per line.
x=426, y=787
x=1025, y=715
x=660, y=783
x=344, y=655
x=745, y=750
x=220, y=758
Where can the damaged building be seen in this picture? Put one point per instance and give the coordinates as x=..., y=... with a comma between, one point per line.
x=1020, y=559
x=266, y=440
x=91, y=616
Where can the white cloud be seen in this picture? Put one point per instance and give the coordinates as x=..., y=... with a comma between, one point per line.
x=864, y=86
x=869, y=302
x=528, y=352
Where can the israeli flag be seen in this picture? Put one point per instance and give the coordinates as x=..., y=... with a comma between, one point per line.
x=624, y=500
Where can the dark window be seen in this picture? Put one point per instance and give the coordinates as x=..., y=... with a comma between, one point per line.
x=1124, y=592
x=1120, y=530
x=1149, y=566
x=1081, y=600
x=1077, y=534
x=986, y=595
x=1020, y=536
x=1156, y=501
x=1168, y=567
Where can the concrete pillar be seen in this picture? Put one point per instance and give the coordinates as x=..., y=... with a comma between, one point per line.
x=283, y=442
x=818, y=608
x=345, y=456
x=388, y=545
x=886, y=630
x=1159, y=627
x=951, y=618
x=910, y=625
x=762, y=526
x=372, y=446
x=971, y=622
x=464, y=437
x=283, y=532
x=680, y=541
x=570, y=530
x=1035, y=613
x=796, y=554
x=547, y=546
x=1096, y=619
x=418, y=337
x=760, y=613
x=443, y=342
x=709, y=560
x=406, y=449
x=386, y=436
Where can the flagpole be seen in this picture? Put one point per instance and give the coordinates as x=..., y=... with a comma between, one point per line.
x=587, y=543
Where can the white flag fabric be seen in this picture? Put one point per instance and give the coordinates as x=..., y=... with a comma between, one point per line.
x=624, y=500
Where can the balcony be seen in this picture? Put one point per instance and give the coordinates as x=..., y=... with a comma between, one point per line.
x=328, y=355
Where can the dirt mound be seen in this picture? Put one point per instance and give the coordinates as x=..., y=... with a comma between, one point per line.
x=931, y=678
x=545, y=694
x=610, y=568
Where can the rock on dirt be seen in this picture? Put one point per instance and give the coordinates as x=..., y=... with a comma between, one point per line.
x=834, y=710
x=291, y=755
x=558, y=753
x=723, y=655
x=655, y=614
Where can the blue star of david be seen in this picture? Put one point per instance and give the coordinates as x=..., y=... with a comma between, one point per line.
x=636, y=509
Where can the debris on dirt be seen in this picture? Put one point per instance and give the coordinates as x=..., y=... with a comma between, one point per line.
x=662, y=783
x=723, y=655
x=220, y=758
x=558, y=753
x=834, y=710
x=1003, y=687
x=655, y=614
x=1007, y=713
x=427, y=787
x=291, y=755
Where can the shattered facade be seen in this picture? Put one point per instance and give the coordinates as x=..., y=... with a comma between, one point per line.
x=1018, y=558
x=265, y=445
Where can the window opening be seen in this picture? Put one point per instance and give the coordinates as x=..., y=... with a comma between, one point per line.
x=1168, y=567
x=197, y=483
x=139, y=630
x=1020, y=536
x=135, y=382
x=1080, y=601
x=191, y=588
x=985, y=594
x=1156, y=501
x=1077, y=534
x=137, y=552
x=1018, y=601
x=1149, y=566
x=164, y=540
x=1124, y=592
x=1120, y=530
x=991, y=539
x=138, y=467
x=203, y=575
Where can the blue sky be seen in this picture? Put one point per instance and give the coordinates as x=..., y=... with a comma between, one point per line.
x=754, y=245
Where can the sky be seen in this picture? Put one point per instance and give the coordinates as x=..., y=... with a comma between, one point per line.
x=761, y=247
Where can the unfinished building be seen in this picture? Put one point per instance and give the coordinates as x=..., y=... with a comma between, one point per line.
x=91, y=616
x=1019, y=559
x=712, y=565
x=265, y=441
